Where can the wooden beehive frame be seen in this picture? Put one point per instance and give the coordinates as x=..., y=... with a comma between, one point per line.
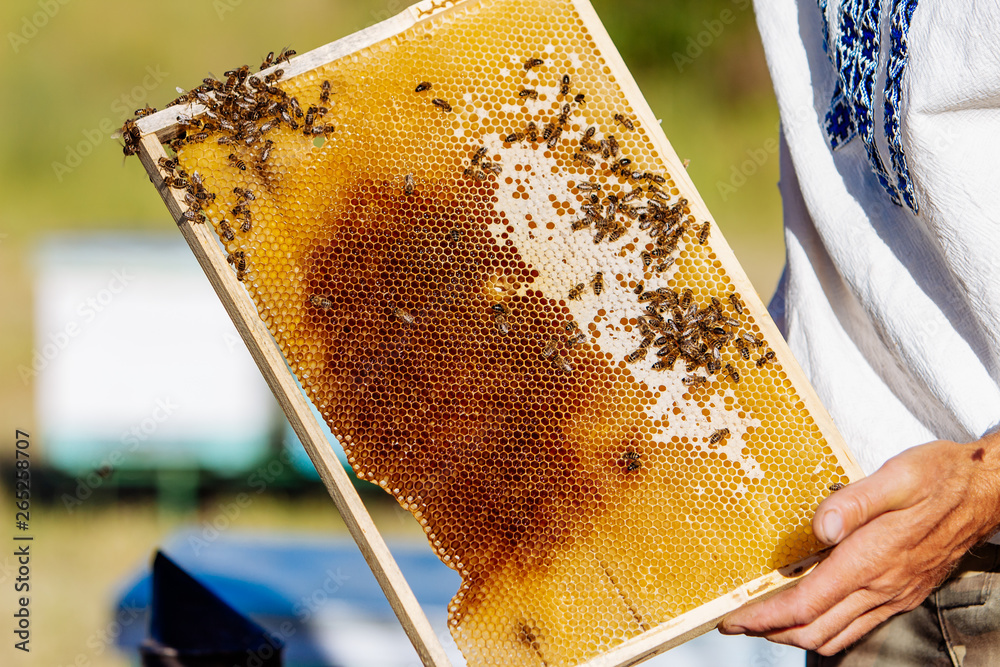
x=160, y=127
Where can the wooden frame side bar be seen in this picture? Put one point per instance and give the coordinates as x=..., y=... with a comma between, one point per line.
x=293, y=402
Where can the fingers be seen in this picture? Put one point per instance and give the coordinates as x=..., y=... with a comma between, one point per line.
x=813, y=596
x=892, y=487
x=841, y=626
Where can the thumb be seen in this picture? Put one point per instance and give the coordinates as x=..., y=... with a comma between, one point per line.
x=891, y=487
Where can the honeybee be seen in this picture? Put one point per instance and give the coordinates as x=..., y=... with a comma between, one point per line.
x=321, y=302
x=564, y=88
x=631, y=458
x=685, y=299
x=531, y=132
x=732, y=373
x=665, y=264
x=500, y=322
x=562, y=364
x=571, y=326
x=633, y=194
x=551, y=134
x=422, y=86
x=197, y=138
x=402, y=315
x=193, y=215
x=599, y=236
x=719, y=436
x=638, y=289
x=246, y=226
x=751, y=339
x=268, y=61
x=647, y=258
x=598, y=283
x=836, y=486
x=274, y=76
x=737, y=304
x=227, y=231
x=703, y=232
x=284, y=56
x=514, y=137
x=479, y=154
x=175, y=183
x=584, y=159
x=695, y=380
x=441, y=104
x=454, y=234
x=266, y=151
x=575, y=293
x=767, y=358
x=587, y=186
x=192, y=201
x=189, y=122
x=408, y=184
x=310, y=116
x=239, y=260
x=238, y=163
x=532, y=63
x=549, y=349
x=564, y=114
x=530, y=93
x=624, y=121
x=743, y=348
x=637, y=355
x=576, y=340
x=493, y=167
x=246, y=195
x=169, y=164
x=580, y=98
x=143, y=112
x=667, y=363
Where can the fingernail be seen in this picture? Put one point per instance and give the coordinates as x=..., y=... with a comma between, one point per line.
x=832, y=525
x=732, y=629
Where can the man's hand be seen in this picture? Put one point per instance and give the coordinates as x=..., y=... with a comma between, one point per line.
x=898, y=535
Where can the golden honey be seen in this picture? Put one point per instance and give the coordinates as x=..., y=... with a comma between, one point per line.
x=415, y=263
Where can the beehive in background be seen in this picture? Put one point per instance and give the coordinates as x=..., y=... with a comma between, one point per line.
x=481, y=259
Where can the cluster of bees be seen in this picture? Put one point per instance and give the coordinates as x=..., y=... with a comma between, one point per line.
x=692, y=334
x=238, y=112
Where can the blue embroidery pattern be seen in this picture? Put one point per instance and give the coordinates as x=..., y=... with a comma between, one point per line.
x=902, y=15
x=857, y=52
x=854, y=52
x=839, y=119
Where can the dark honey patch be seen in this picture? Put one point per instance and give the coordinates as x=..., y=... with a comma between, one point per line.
x=489, y=440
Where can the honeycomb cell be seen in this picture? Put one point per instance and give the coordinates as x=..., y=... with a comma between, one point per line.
x=506, y=312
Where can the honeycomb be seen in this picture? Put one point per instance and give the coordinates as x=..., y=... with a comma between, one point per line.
x=478, y=265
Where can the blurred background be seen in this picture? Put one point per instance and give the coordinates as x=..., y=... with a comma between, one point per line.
x=149, y=423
